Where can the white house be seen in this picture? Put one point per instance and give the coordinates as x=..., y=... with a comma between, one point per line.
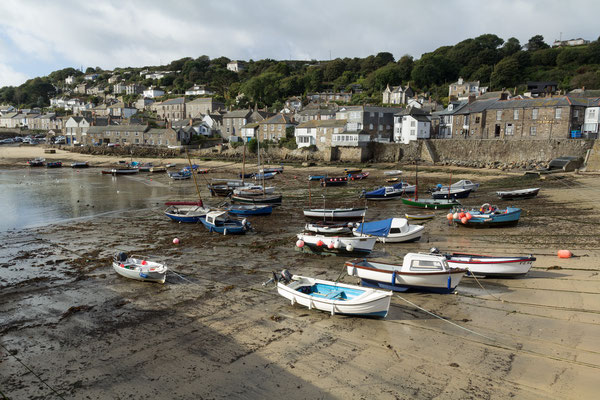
x=153, y=93
x=591, y=121
x=410, y=125
x=76, y=130
x=235, y=66
x=198, y=90
x=69, y=80
x=397, y=94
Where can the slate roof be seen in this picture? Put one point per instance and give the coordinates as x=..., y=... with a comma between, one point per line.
x=117, y=128
x=327, y=123
x=476, y=107
x=178, y=100
x=238, y=114
x=562, y=101
x=277, y=119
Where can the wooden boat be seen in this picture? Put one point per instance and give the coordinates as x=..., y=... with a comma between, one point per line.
x=36, y=162
x=419, y=216
x=494, y=266
x=184, y=203
x=487, y=216
x=334, y=297
x=392, y=180
x=346, y=214
x=250, y=209
x=171, y=165
x=392, y=172
x=340, y=245
x=181, y=175
x=328, y=228
x=138, y=268
x=123, y=171
x=278, y=170
x=316, y=177
x=188, y=214
x=222, y=222
x=155, y=170
x=83, y=164
x=334, y=181
x=422, y=272
x=224, y=187
x=389, y=192
x=518, y=194
x=462, y=184
x=265, y=175
x=391, y=230
x=54, y=164
x=253, y=190
x=432, y=204
x=359, y=176
x=272, y=199
x=352, y=171
x=451, y=194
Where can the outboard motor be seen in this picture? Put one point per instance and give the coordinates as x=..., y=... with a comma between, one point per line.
x=122, y=256
x=286, y=276
x=434, y=250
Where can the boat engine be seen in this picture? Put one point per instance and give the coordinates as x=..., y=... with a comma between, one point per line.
x=434, y=250
x=122, y=256
x=286, y=276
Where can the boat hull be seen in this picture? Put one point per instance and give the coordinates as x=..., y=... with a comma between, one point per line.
x=344, y=214
x=453, y=194
x=134, y=270
x=250, y=209
x=431, y=204
x=518, y=194
x=338, y=245
x=235, y=228
x=490, y=266
x=186, y=214
x=492, y=220
x=273, y=200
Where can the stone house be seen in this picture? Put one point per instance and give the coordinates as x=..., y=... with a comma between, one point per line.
x=81, y=88
x=121, y=110
x=274, y=128
x=319, y=133
x=201, y=106
x=377, y=121
x=153, y=93
x=316, y=113
x=293, y=104
x=249, y=131
x=172, y=109
x=134, y=89
x=442, y=121
x=143, y=103
x=344, y=97
x=45, y=122
x=8, y=120
x=592, y=119
x=126, y=134
x=233, y=121
x=461, y=90
x=166, y=137
x=397, y=94
x=469, y=122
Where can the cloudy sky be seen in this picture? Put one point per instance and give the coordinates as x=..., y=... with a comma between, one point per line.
x=41, y=36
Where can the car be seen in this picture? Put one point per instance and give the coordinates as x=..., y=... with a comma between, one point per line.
x=113, y=144
x=60, y=141
x=6, y=141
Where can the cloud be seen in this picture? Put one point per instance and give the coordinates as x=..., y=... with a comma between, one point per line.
x=10, y=77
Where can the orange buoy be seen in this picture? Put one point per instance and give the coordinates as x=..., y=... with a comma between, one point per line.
x=449, y=216
x=468, y=215
x=464, y=220
x=565, y=254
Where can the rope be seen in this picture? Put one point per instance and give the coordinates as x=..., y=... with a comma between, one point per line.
x=477, y=280
x=30, y=370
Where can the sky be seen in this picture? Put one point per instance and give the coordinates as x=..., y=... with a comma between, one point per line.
x=41, y=36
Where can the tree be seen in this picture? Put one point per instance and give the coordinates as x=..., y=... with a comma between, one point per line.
x=506, y=73
x=334, y=69
x=589, y=80
x=536, y=43
x=511, y=46
x=406, y=64
x=383, y=58
x=391, y=74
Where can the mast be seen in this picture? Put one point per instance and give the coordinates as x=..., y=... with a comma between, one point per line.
x=416, y=179
x=194, y=176
x=449, y=185
x=244, y=164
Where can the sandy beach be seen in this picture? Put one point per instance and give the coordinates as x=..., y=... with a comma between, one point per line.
x=213, y=331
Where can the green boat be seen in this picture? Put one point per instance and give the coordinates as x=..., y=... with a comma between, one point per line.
x=433, y=204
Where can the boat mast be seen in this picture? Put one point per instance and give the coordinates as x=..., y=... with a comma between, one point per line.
x=416, y=179
x=193, y=176
x=244, y=164
x=449, y=185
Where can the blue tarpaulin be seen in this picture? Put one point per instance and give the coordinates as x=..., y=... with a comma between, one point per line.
x=375, y=228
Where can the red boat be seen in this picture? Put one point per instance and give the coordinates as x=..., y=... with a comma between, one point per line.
x=359, y=176
x=334, y=181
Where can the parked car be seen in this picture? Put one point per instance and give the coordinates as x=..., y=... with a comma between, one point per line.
x=6, y=141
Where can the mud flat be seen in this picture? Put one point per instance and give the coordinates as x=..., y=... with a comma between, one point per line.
x=213, y=331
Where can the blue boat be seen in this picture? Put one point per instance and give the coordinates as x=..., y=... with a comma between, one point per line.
x=265, y=175
x=250, y=209
x=316, y=177
x=389, y=192
x=188, y=214
x=183, y=174
x=222, y=222
x=487, y=216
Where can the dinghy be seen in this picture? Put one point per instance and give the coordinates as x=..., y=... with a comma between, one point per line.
x=419, y=216
x=391, y=230
x=389, y=192
x=181, y=175
x=392, y=172
x=492, y=266
x=339, y=245
x=222, y=222
x=451, y=194
x=334, y=181
x=518, y=194
x=487, y=216
x=345, y=214
x=462, y=184
x=328, y=227
x=189, y=214
x=250, y=209
x=138, y=268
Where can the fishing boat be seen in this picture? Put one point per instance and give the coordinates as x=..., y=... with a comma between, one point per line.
x=222, y=222
x=186, y=213
x=352, y=171
x=389, y=192
x=346, y=214
x=278, y=170
x=334, y=181
x=462, y=184
x=391, y=230
x=181, y=175
x=451, y=194
x=272, y=199
x=138, y=268
x=432, y=204
x=249, y=209
x=359, y=176
x=518, y=194
x=419, y=216
x=155, y=170
x=54, y=164
x=421, y=272
x=124, y=171
x=328, y=227
x=492, y=266
x=392, y=172
x=254, y=190
x=316, y=177
x=265, y=175
x=83, y=164
x=339, y=245
x=487, y=216
x=335, y=297
x=36, y=162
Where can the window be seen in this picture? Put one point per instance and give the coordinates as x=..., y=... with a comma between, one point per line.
x=413, y=132
x=498, y=115
x=370, y=126
x=477, y=119
x=516, y=114
x=380, y=127
x=420, y=265
x=534, y=113
x=509, y=130
x=592, y=112
x=533, y=131
x=412, y=123
x=137, y=141
x=576, y=113
x=380, y=115
x=558, y=113
x=372, y=115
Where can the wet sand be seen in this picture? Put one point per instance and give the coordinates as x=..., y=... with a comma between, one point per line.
x=213, y=331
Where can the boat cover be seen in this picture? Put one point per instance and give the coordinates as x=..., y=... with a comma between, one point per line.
x=386, y=189
x=380, y=228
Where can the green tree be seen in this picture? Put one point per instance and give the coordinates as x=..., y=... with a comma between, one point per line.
x=510, y=47
x=506, y=73
x=536, y=43
x=406, y=64
x=391, y=74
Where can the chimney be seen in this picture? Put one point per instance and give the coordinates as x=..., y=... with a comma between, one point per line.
x=503, y=96
x=191, y=121
x=169, y=124
x=471, y=98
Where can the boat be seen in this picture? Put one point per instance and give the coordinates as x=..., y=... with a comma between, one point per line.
x=316, y=177
x=340, y=245
x=419, y=216
x=247, y=176
x=124, y=171
x=278, y=170
x=155, y=170
x=392, y=180
x=451, y=194
x=138, y=268
x=335, y=297
x=391, y=230
x=186, y=213
x=487, y=216
x=389, y=192
x=181, y=175
x=265, y=175
x=54, y=164
x=418, y=271
x=224, y=187
x=346, y=214
x=36, y=162
x=83, y=164
x=352, y=171
x=518, y=194
x=359, y=176
x=202, y=170
x=392, y=172
x=250, y=209
x=272, y=199
x=462, y=184
x=432, y=204
x=184, y=203
x=328, y=227
x=221, y=222
x=334, y=181
x=170, y=165
x=492, y=266
x=254, y=190
x=143, y=167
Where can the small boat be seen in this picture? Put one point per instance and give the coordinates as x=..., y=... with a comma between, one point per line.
x=335, y=297
x=83, y=164
x=224, y=187
x=222, y=222
x=334, y=181
x=202, y=170
x=250, y=209
x=123, y=171
x=316, y=177
x=391, y=230
x=145, y=167
x=392, y=172
x=272, y=199
x=487, y=216
x=155, y=170
x=170, y=165
x=254, y=190
x=422, y=272
x=518, y=194
x=247, y=176
x=451, y=194
x=392, y=180
x=352, y=171
x=420, y=216
x=265, y=175
x=328, y=228
x=340, y=245
x=462, y=184
x=277, y=170
x=138, y=268
x=346, y=214
x=432, y=204
x=54, y=164
x=493, y=266
x=184, y=203
x=36, y=162
x=188, y=214
x=389, y=192
x=181, y=175
x=359, y=176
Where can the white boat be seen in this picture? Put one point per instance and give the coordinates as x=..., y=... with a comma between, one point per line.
x=419, y=216
x=425, y=272
x=493, y=266
x=335, y=213
x=391, y=230
x=335, y=298
x=462, y=184
x=185, y=213
x=393, y=172
x=341, y=245
x=138, y=268
x=253, y=190
x=518, y=194
x=331, y=228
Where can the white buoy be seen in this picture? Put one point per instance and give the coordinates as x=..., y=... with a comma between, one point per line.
x=349, y=247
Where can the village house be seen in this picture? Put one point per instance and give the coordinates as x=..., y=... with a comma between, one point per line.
x=201, y=106
x=236, y=66
x=469, y=122
x=442, y=121
x=45, y=122
x=76, y=129
x=461, y=90
x=541, y=89
x=343, y=97
x=133, y=89
x=69, y=80
x=143, y=103
x=119, y=109
x=249, y=131
x=397, y=94
x=591, y=125
x=114, y=79
x=91, y=77
x=274, y=128
x=153, y=93
x=8, y=120
x=294, y=104
x=320, y=133
x=82, y=88
x=377, y=121
x=125, y=134
x=198, y=90
x=314, y=112
x=233, y=121
x=411, y=124
x=172, y=109
x=166, y=137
